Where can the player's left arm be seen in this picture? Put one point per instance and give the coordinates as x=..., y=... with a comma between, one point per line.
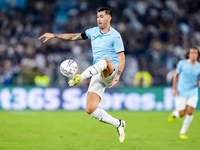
x=121, y=65
x=199, y=82
x=66, y=36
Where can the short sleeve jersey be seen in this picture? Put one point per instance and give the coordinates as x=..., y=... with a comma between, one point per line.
x=188, y=78
x=105, y=45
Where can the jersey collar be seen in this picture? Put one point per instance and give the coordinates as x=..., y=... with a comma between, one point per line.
x=106, y=32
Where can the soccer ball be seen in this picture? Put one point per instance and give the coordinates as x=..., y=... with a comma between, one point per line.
x=68, y=67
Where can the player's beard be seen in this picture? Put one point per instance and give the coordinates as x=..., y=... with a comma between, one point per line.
x=193, y=60
x=102, y=27
x=103, y=24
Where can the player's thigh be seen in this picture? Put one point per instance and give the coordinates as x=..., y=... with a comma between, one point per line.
x=97, y=86
x=108, y=80
x=180, y=103
x=192, y=101
x=93, y=101
x=109, y=69
x=191, y=105
x=95, y=93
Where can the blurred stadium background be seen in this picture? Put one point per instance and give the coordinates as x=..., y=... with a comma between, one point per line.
x=156, y=34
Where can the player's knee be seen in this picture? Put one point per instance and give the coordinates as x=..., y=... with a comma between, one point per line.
x=106, y=59
x=182, y=113
x=90, y=109
x=189, y=113
x=190, y=110
x=110, y=66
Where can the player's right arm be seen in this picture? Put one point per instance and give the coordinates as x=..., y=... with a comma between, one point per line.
x=66, y=36
x=175, y=80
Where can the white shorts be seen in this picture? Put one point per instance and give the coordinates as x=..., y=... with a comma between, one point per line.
x=182, y=102
x=99, y=84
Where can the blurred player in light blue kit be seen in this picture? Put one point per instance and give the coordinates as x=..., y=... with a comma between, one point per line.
x=108, y=64
x=185, y=89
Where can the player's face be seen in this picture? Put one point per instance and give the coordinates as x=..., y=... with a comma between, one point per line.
x=103, y=19
x=193, y=55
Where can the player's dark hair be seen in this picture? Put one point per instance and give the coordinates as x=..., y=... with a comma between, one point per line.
x=188, y=51
x=106, y=9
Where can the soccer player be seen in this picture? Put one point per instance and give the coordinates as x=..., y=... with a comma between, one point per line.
x=185, y=89
x=108, y=64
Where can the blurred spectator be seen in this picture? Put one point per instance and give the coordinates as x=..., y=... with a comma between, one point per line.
x=7, y=74
x=143, y=78
x=42, y=80
x=170, y=76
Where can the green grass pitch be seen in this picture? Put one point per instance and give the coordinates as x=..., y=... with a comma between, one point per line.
x=75, y=130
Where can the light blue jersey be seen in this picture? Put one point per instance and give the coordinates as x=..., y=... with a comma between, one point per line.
x=188, y=78
x=105, y=45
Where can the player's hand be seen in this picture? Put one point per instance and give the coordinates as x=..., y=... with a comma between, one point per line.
x=115, y=81
x=175, y=92
x=46, y=37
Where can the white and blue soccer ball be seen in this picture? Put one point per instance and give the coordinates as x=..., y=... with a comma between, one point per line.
x=68, y=68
